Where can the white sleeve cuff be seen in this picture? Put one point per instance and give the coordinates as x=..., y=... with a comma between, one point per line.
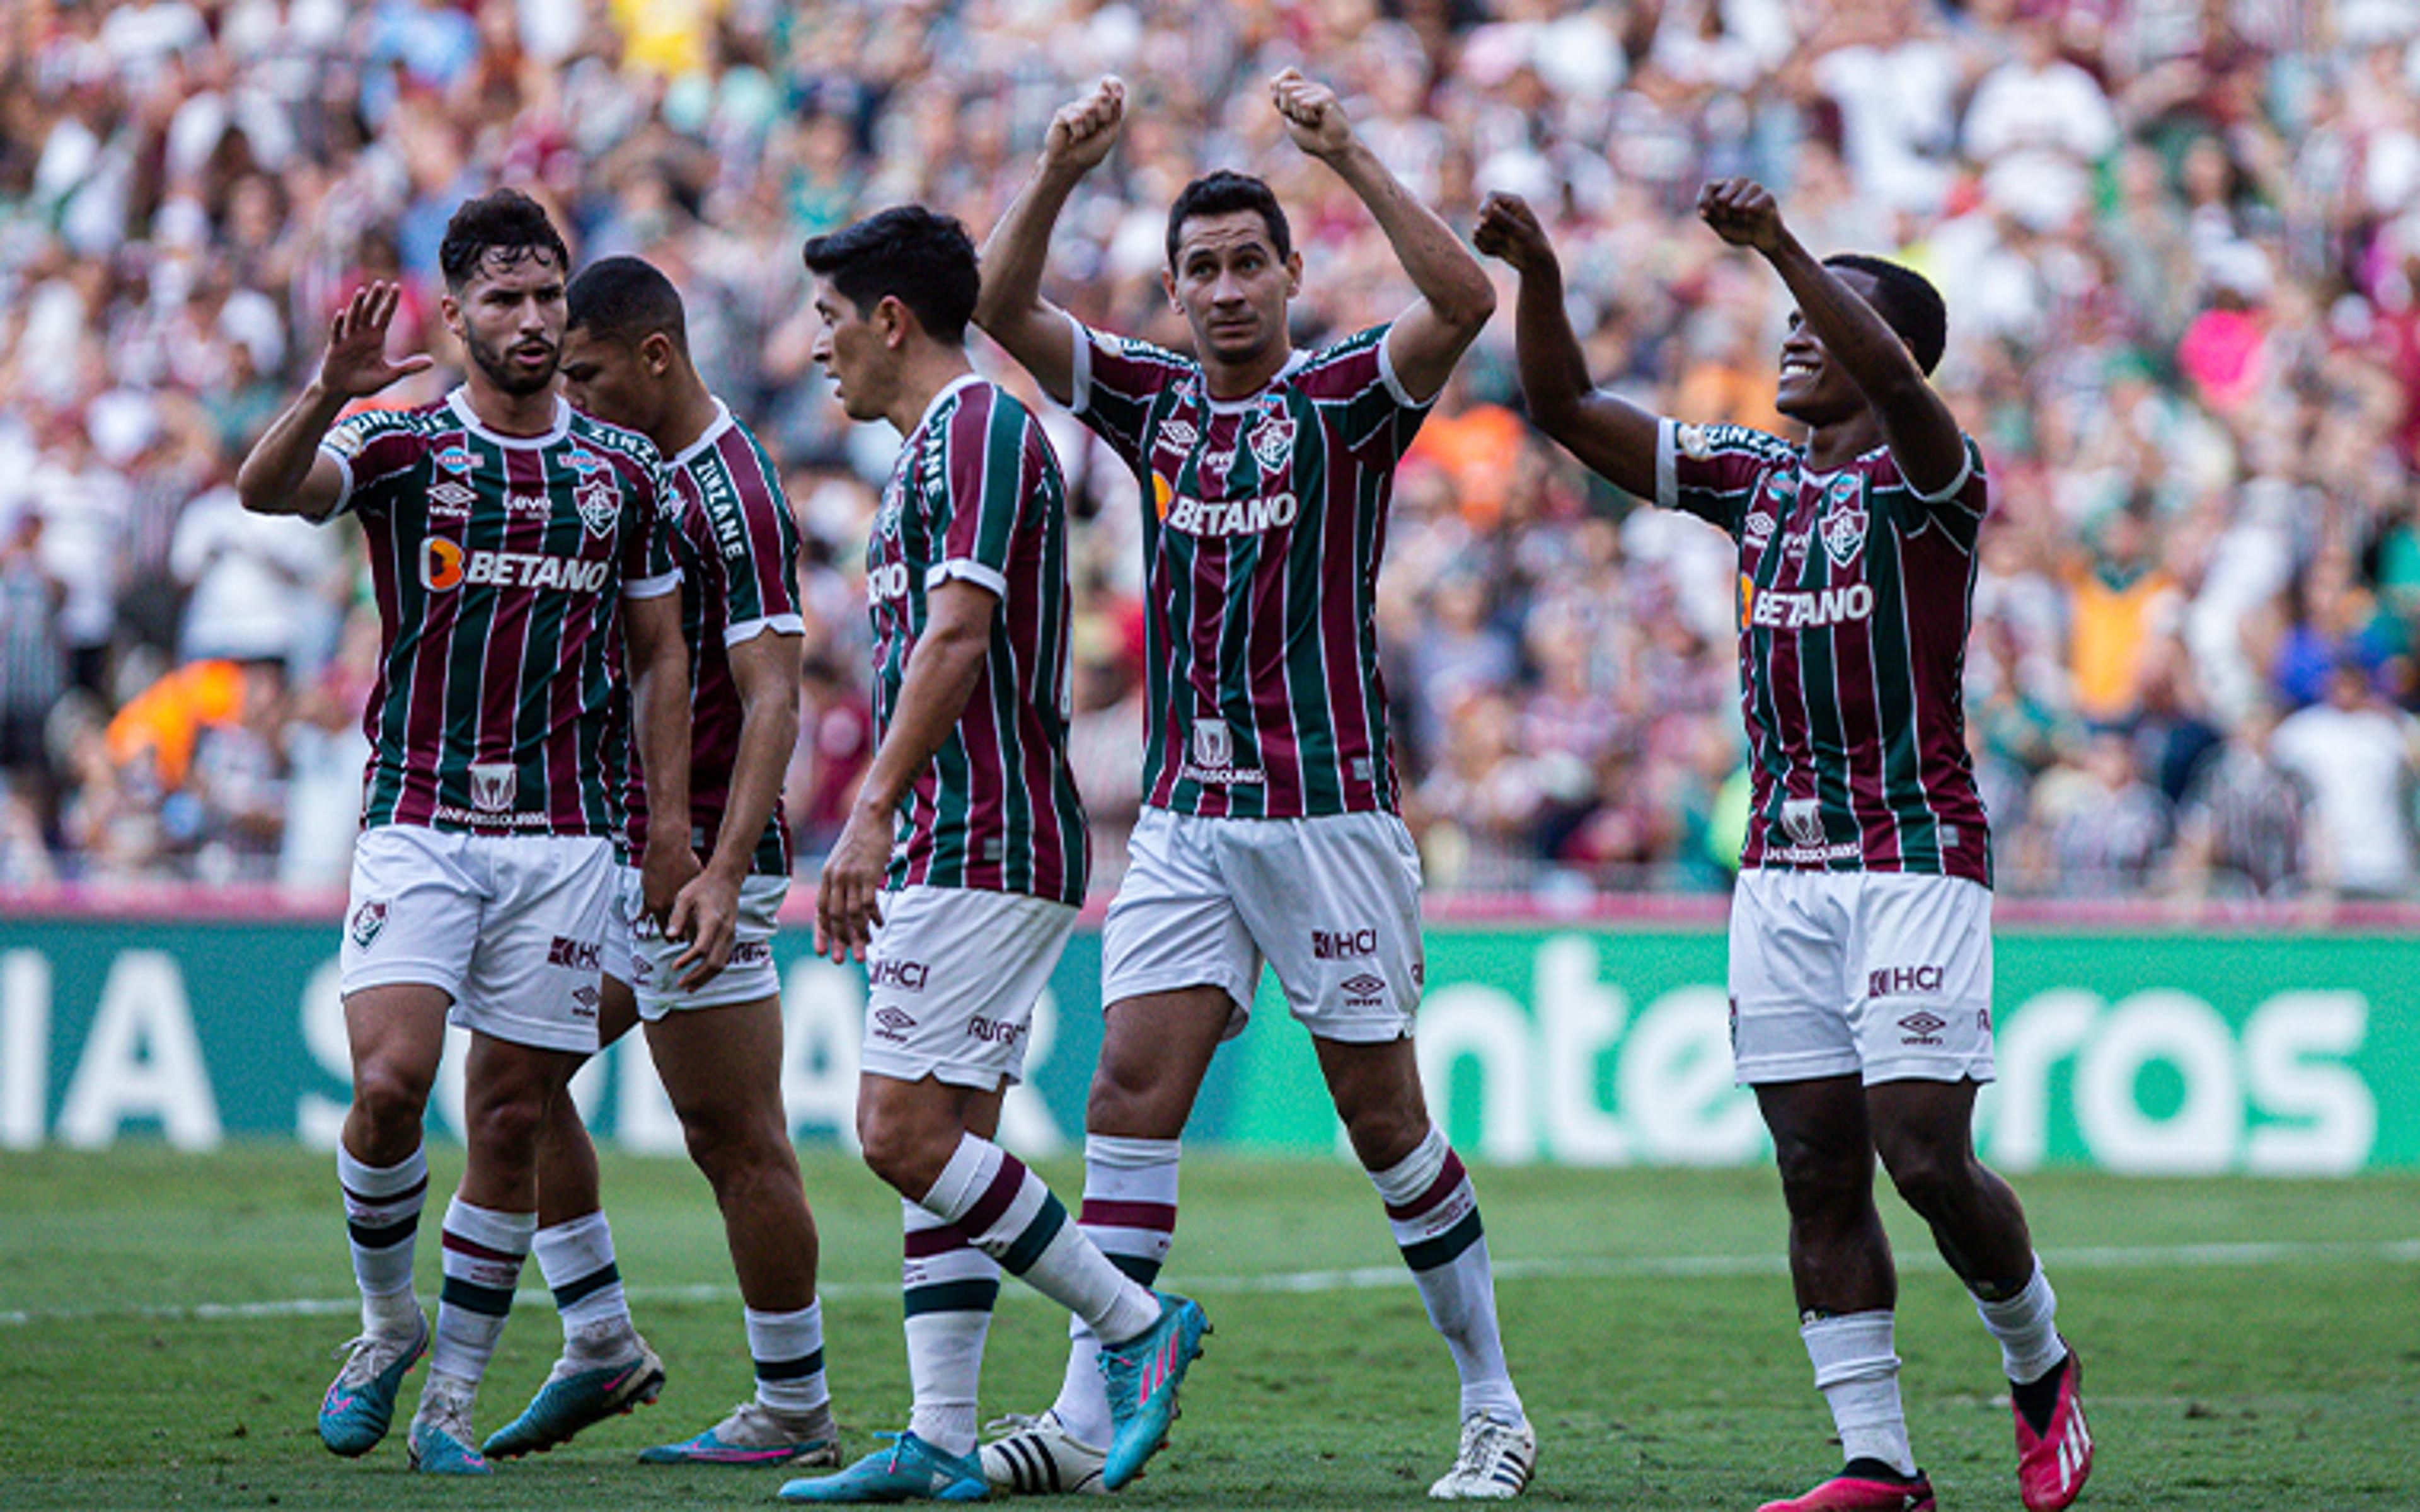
x=747, y=630
x=344, y=491
x=1393, y=381
x=973, y=572
x=1079, y=368
x=656, y=587
x=1958, y=484
x=1667, y=472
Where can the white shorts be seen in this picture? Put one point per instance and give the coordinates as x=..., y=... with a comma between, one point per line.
x=1886, y=975
x=513, y=927
x=638, y=953
x=952, y=977
x=1333, y=903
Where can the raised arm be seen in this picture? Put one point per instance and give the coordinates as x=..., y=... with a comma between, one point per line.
x=1010, y=308
x=1614, y=437
x=1917, y=427
x=943, y=672
x=1455, y=297
x=285, y=472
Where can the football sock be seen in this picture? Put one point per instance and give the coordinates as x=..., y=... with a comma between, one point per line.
x=382, y=1207
x=788, y=1348
x=1858, y=1372
x=577, y=1259
x=484, y=1251
x=948, y=1287
x=1130, y=1214
x=1436, y=1218
x=1011, y=1217
x=2026, y=1326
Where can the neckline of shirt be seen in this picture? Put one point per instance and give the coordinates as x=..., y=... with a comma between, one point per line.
x=713, y=434
x=460, y=402
x=1228, y=406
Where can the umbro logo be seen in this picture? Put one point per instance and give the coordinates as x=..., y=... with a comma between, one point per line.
x=1923, y=1029
x=893, y=1025
x=1364, y=985
x=451, y=498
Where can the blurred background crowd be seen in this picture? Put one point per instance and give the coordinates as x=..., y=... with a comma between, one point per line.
x=2180, y=239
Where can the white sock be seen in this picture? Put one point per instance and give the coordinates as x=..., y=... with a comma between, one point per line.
x=1010, y=1215
x=948, y=1287
x=788, y=1350
x=2026, y=1326
x=1435, y=1214
x=1858, y=1372
x=382, y=1207
x=1130, y=1214
x=576, y=1258
x=484, y=1251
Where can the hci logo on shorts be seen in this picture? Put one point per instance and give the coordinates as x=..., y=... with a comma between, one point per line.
x=575, y=955
x=1901, y=982
x=1340, y=945
x=908, y=976
x=368, y=919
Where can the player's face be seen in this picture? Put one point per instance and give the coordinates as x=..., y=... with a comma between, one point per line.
x=852, y=351
x=1813, y=389
x=609, y=378
x=1232, y=287
x=509, y=316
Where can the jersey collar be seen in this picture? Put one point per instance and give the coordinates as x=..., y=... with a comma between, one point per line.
x=460, y=402
x=963, y=380
x=713, y=433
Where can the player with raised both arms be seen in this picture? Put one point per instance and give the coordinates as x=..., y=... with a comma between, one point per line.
x=1860, y=932
x=1270, y=830
x=509, y=540
x=713, y=1006
x=957, y=875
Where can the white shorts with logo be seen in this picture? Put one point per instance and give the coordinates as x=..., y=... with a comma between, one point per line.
x=638, y=953
x=952, y=977
x=513, y=927
x=1332, y=903
x=1880, y=974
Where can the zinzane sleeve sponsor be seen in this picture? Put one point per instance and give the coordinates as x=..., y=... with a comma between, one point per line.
x=1117, y=381
x=1712, y=470
x=761, y=587
x=979, y=496
x=376, y=450
x=1355, y=383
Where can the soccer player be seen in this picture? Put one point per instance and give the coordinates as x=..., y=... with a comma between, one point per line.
x=713, y=1010
x=508, y=540
x=957, y=875
x=1270, y=830
x=1860, y=933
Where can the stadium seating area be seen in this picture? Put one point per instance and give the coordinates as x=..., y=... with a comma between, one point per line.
x=2180, y=238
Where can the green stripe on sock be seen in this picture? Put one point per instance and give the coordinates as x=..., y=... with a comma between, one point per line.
x=587, y=1285
x=1144, y=1272
x=493, y=1302
x=1447, y=1247
x=952, y=1296
x=805, y=1365
x=1038, y=1234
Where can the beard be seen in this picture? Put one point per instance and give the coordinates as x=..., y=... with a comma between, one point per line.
x=498, y=365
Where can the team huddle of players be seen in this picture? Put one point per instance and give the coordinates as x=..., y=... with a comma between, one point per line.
x=586, y=575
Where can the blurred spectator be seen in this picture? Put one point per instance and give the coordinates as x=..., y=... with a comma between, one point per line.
x=2242, y=830
x=2358, y=758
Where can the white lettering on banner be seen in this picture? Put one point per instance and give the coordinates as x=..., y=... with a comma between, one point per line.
x=2318, y=1116
x=1468, y=1020
x=1579, y=1018
x=141, y=1061
x=1675, y=1083
x=823, y=1012
x=25, y=1048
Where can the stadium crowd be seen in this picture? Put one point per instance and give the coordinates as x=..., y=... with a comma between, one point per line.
x=2180, y=239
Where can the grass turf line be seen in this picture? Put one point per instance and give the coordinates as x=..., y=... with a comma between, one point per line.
x=2285, y=1381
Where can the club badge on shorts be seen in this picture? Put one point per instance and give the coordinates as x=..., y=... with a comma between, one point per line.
x=369, y=922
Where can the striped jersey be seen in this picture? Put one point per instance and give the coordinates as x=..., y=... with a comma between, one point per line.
x=737, y=550
x=977, y=495
x=500, y=562
x=1855, y=596
x=1265, y=520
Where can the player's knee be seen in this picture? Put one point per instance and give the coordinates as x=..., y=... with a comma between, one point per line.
x=735, y=1154
x=392, y=1100
x=1929, y=1176
x=1384, y=1135
x=507, y=1125
x=1128, y=1098
x=897, y=1151
x=1817, y=1175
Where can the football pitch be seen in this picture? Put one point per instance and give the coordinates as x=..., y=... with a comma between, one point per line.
x=165, y=1324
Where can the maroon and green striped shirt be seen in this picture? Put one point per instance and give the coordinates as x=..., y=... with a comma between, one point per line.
x=977, y=495
x=1855, y=592
x=737, y=549
x=1265, y=521
x=499, y=563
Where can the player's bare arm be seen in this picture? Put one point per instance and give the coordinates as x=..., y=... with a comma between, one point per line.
x=1455, y=297
x=1011, y=309
x=660, y=694
x=765, y=669
x=285, y=473
x=1614, y=437
x=941, y=675
x=1922, y=434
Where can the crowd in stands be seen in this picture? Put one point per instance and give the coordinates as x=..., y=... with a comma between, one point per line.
x=2180, y=240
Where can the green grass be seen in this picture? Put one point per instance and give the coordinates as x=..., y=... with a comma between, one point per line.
x=1646, y=1316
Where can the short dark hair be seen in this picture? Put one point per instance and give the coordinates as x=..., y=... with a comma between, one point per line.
x=1907, y=301
x=924, y=259
x=1221, y=193
x=625, y=299
x=500, y=220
